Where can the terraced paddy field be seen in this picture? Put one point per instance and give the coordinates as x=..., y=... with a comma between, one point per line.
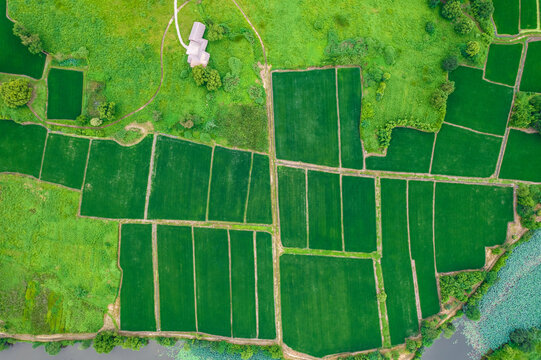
x=531, y=75
x=528, y=14
x=506, y=16
x=503, y=62
x=21, y=147
x=516, y=160
x=65, y=94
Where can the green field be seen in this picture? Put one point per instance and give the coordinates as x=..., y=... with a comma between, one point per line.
x=349, y=106
x=410, y=151
x=465, y=153
x=324, y=219
x=137, y=278
x=265, y=286
x=175, y=271
x=478, y=104
x=531, y=76
x=243, y=284
x=305, y=116
x=65, y=90
x=359, y=207
x=503, y=62
x=229, y=186
x=212, y=281
x=516, y=162
x=506, y=16
x=259, y=210
x=328, y=304
x=292, y=204
x=65, y=160
x=420, y=195
x=528, y=14
x=395, y=262
x=469, y=218
x=180, y=180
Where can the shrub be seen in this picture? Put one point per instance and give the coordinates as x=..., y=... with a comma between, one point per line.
x=215, y=32
x=448, y=87
x=6, y=343
x=207, y=76
x=53, y=348
x=166, y=341
x=134, y=343
x=430, y=27
x=438, y=99
x=472, y=312
x=214, y=82
x=450, y=63
x=230, y=82
x=433, y=3
x=448, y=330
x=523, y=113
x=463, y=25
x=107, y=110
x=472, y=48
x=235, y=65
x=429, y=331
x=96, y=122
x=389, y=55
x=32, y=41
x=106, y=341
x=482, y=9
x=458, y=286
x=82, y=119
x=16, y=92
x=451, y=10
x=412, y=345
x=199, y=75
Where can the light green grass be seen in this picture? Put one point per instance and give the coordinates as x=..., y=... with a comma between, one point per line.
x=502, y=63
x=65, y=90
x=292, y=203
x=517, y=161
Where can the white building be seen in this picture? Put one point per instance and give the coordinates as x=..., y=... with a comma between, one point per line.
x=196, y=49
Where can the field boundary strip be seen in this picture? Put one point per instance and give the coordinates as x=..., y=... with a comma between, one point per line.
x=150, y=173
x=43, y=155
x=380, y=315
x=472, y=130
x=432, y=155
x=249, y=186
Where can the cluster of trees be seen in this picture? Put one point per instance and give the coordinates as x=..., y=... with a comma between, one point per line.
x=384, y=132
x=16, y=92
x=355, y=50
x=106, y=112
x=215, y=32
x=439, y=97
x=460, y=285
x=523, y=344
x=207, y=76
x=452, y=10
x=527, y=111
x=528, y=198
x=31, y=41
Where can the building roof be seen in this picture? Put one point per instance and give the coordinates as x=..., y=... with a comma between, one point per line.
x=198, y=29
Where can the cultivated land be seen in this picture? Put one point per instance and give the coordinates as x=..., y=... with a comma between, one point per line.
x=259, y=208
x=359, y=214
x=528, y=14
x=520, y=146
x=64, y=160
x=506, y=16
x=503, y=62
x=21, y=148
x=265, y=286
x=531, y=77
x=293, y=206
x=65, y=90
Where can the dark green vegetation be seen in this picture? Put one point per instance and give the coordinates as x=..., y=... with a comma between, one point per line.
x=259, y=210
x=21, y=147
x=65, y=160
x=265, y=286
x=180, y=180
x=175, y=267
x=528, y=14
x=349, y=106
x=305, y=116
x=516, y=162
x=292, y=204
x=137, y=278
x=410, y=151
x=65, y=89
x=359, y=207
x=523, y=344
x=459, y=286
x=229, y=186
x=503, y=62
x=463, y=105
x=528, y=200
x=16, y=93
x=321, y=312
x=526, y=111
x=531, y=76
x=396, y=264
x=116, y=180
x=464, y=153
x=468, y=219
x=506, y=16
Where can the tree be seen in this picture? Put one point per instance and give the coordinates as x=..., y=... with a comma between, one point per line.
x=214, y=82
x=472, y=312
x=53, y=348
x=215, y=32
x=430, y=27
x=412, y=345
x=523, y=113
x=472, y=48
x=166, y=341
x=107, y=110
x=482, y=9
x=463, y=25
x=448, y=87
x=106, y=341
x=134, y=343
x=32, y=41
x=451, y=10
x=433, y=3
x=16, y=92
x=199, y=75
x=438, y=99
x=523, y=338
x=450, y=63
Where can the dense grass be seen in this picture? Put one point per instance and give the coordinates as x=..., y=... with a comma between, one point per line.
x=47, y=253
x=243, y=284
x=265, y=286
x=116, y=180
x=180, y=180
x=420, y=195
x=469, y=218
x=503, y=62
x=395, y=262
x=478, y=104
x=305, y=116
x=506, y=16
x=259, y=210
x=21, y=147
x=465, y=153
x=528, y=14
x=328, y=304
x=292, y=203
x=212, y=281
x=531, y=76
x=410, y=151
x=65, y=90
x=175, y=268
x=349, y=106
x=229, y=186
x=137, y=278
x=519, y=158
x=65, y=160
x=324, y=214
x=359, y=206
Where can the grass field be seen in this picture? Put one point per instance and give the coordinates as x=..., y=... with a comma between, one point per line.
x=359, y=207
x=175, y=267
x=212, y=281
x=324, y=214
x=65, y=160
x=305, y=116
x=469, y=218
x=328, y=304
x=531, y=76
x=478, y=104
x=265, y=286
x=395, y=262
x=259, y=210
x=59, y=272
x=506, y=16
x=349, y=106
x=229, y=185
x=180, y=176
x=65, y=89
x=528, y=14
x=465, y=153
x=21, y=147
x=292, y=203
x=503, y=62
x=420, y=195
x=137, y=278
x=410, y=151
x=516, y=162
x=116, y=180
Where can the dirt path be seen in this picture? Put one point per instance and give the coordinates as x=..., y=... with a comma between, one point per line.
x=150, y=173
x=472, y=130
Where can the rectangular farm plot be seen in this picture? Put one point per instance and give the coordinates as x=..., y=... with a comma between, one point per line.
x=292, y=204
x=65, y=160
x=21, y=147
x=265, y=286
x=65, y=94
x=116, y=180
x=180, y=180
x=468, y=219
x=531, y=75
x=305, y=116
x=410, y=151
x=259, y=210
x=528, y=14
x=137, y=292
x=519, y=150
x=503, y=62
x=329, y=304
x=506, y=16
